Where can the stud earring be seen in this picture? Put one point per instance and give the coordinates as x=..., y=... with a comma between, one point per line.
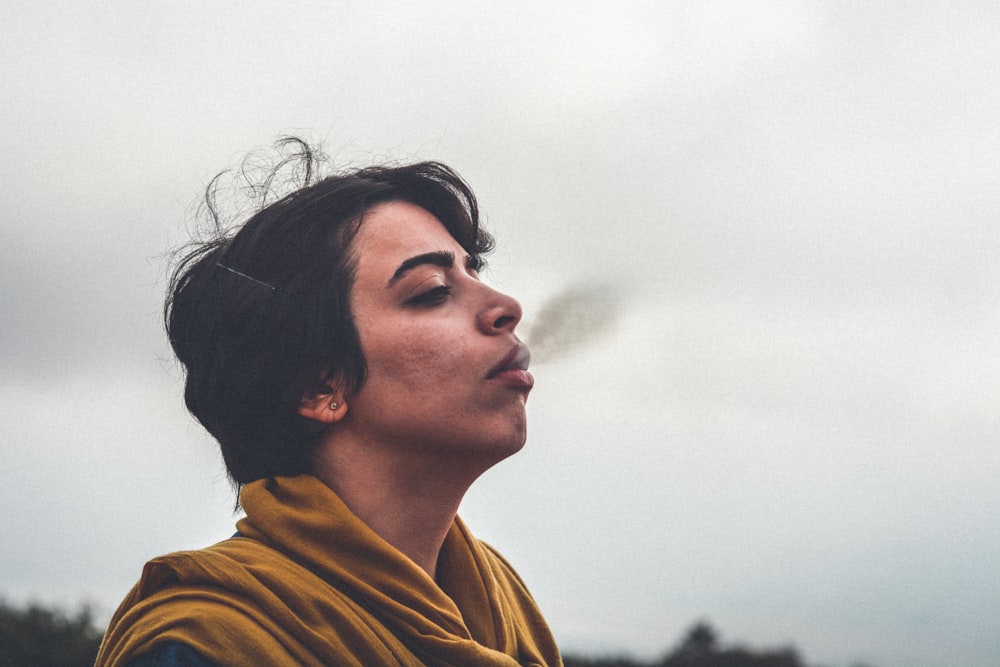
x=333, y=405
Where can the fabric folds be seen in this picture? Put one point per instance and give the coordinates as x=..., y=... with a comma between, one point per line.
x=308, y=583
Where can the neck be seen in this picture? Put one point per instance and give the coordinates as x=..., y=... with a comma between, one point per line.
x=410, y=503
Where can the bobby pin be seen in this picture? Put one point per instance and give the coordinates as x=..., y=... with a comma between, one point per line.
x=243, y=275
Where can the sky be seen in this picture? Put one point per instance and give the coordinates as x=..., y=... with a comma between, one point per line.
x=768, y=232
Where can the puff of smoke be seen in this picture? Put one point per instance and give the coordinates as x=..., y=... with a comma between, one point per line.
x=573, y=317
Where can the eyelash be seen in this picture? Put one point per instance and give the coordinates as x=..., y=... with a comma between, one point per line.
x=432, y=297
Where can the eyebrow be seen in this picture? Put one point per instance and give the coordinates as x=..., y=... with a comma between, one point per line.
x=441, y=258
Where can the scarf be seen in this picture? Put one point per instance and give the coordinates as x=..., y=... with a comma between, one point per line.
x=305, y=582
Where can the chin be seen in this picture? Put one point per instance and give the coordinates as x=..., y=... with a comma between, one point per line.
x=511, y=448
x=496, y=452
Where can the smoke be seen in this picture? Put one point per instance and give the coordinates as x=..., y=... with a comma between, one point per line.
x=573, y=317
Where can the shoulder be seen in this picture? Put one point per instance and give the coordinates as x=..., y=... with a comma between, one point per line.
x=237, y=602
x=189, y=625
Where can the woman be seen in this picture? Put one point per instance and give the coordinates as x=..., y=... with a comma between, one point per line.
x=359, y=377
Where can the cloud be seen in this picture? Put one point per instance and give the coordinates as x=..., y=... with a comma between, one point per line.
x=768, y=235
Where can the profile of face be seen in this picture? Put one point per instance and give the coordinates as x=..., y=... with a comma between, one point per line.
x=447, y=376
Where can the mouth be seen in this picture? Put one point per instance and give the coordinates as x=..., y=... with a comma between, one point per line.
x=513, y=368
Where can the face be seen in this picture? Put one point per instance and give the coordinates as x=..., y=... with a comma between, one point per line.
x=447, y=377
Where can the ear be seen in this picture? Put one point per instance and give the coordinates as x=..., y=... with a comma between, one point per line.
x=327, y=406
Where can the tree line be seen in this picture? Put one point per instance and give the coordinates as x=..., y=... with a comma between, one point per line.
x=40, y=636
x=699, y=648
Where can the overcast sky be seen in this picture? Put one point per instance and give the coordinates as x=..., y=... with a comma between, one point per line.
x=780, y=222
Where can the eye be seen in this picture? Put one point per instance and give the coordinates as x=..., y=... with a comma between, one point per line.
x=431, y=297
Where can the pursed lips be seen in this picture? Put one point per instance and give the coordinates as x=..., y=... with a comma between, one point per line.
x=513, y=368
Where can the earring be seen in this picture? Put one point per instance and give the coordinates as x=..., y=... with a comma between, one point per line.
x=333, y=405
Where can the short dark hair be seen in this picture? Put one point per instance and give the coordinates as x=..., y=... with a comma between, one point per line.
x=259, y=315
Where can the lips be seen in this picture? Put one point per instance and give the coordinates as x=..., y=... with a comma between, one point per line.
x=513, y=368
x=516, y=360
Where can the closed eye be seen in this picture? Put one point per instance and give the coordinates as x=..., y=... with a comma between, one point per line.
x=431, y=297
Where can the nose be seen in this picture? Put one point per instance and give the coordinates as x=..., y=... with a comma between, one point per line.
x=500, y=313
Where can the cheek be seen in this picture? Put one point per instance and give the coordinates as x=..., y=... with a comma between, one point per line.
x=413, y=358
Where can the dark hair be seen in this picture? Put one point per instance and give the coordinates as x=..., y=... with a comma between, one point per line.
x=259, y=315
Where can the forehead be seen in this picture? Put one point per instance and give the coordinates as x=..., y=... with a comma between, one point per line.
x=395, y=231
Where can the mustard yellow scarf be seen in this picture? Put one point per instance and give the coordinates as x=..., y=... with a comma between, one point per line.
x=308, y=583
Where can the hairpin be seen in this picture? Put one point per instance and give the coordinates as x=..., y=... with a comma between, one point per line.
x=243, y=275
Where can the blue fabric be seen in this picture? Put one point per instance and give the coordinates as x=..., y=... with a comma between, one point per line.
x=171, y=654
